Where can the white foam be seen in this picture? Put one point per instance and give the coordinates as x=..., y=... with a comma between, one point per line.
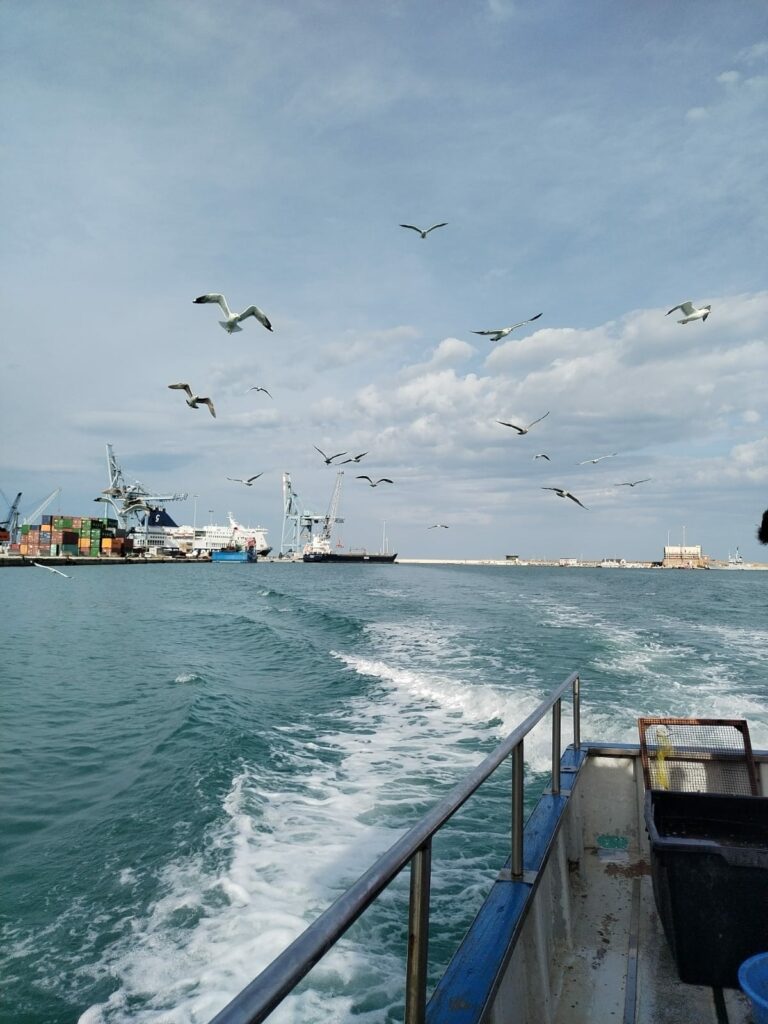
x=428, y=706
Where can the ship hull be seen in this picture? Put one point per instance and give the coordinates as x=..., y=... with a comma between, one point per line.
x=248, y=555
x=346, y=556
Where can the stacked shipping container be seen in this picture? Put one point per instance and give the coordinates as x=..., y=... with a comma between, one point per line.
x=75, y=536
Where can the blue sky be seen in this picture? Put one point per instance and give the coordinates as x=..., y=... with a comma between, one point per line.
x=598, y=163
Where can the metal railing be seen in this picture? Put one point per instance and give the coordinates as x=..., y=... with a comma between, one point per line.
x=258, y=999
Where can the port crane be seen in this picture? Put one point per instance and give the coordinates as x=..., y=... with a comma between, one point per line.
x=134, y=498
x=13, y=520
x=300, y=525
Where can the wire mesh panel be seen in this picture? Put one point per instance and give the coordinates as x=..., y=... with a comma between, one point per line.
x=698, y=755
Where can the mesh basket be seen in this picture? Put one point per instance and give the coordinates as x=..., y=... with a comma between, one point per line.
x=698, y=755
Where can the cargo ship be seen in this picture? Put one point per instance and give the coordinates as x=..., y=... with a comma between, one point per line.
x=319, y=550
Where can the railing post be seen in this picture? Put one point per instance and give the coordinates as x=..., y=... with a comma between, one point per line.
x=556, y=748
x=517, y=811
x=418, y=936
x=576, y=716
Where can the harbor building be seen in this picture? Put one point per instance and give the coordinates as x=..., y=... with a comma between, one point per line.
x=684, y=556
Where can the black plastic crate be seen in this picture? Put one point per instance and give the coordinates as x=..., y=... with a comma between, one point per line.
x=709, y=864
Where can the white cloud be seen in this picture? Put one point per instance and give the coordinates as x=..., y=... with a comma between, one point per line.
x=752, y=54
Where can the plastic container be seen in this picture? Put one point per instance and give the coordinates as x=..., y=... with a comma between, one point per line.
x=753, y=978
x=709, y=865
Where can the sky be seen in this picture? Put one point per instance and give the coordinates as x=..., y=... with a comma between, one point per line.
x=597, y=163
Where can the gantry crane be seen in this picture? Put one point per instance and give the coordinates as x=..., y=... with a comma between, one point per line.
x=299, y=524
x=134, y=498
x=13, y=520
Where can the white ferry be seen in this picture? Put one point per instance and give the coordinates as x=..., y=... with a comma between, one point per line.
x=636, y=891
x=159, y=534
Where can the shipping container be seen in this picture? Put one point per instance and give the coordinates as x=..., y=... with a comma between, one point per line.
x=47, y=520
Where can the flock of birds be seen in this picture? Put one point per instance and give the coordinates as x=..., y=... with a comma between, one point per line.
x=232, y=322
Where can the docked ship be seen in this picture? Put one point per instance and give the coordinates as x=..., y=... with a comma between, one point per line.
x=319, y=550
x=159, y=534
x=308, y=535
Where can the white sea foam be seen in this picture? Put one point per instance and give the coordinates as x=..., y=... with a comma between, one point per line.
x=288, y=842
x=293, y=842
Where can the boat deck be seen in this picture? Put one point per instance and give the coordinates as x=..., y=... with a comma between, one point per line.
x=578, y=940
x=619, y=966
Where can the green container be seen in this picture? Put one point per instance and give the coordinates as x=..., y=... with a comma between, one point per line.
x=69, y=549
x=25, y=528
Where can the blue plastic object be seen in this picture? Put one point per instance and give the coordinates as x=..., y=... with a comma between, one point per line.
x=753, y=978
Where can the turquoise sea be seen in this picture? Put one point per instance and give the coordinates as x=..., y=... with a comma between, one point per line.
x=197, y=759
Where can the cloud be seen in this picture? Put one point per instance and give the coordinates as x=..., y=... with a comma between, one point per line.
x=355, y=345
x=745, y=463
x=752, y=54
x=447, y=353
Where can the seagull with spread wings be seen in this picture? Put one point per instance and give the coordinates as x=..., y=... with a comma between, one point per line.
x=438, y=526
x=375, y=483
x=691, y=312
x=254, y=388
x=501, y=332
x=599, y=459
x=248, y=482
x=50, y=568
x=194, y=401
x=634, y=483
x=355, y=458
x=329, y=458
x=542, y=455
x=423, y=232
x=561, y=493
x=232, y=322
x=523, y=430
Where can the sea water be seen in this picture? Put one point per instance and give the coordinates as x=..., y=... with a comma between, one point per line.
x=198, y=759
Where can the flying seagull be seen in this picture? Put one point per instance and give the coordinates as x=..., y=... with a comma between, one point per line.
x=248, y=482
x=523, y=430
x=564, y=494
x=50, y=568
x=542, y=455
x=355, y=458
x=599, y=458
x=329, y=458
x=634, y=483
x=421, y=231
x=383, y=480
x=232, y=323
x=259, y=389
x=193, y=401
x=438, y=526
x=691, y=312
x=501, y=332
